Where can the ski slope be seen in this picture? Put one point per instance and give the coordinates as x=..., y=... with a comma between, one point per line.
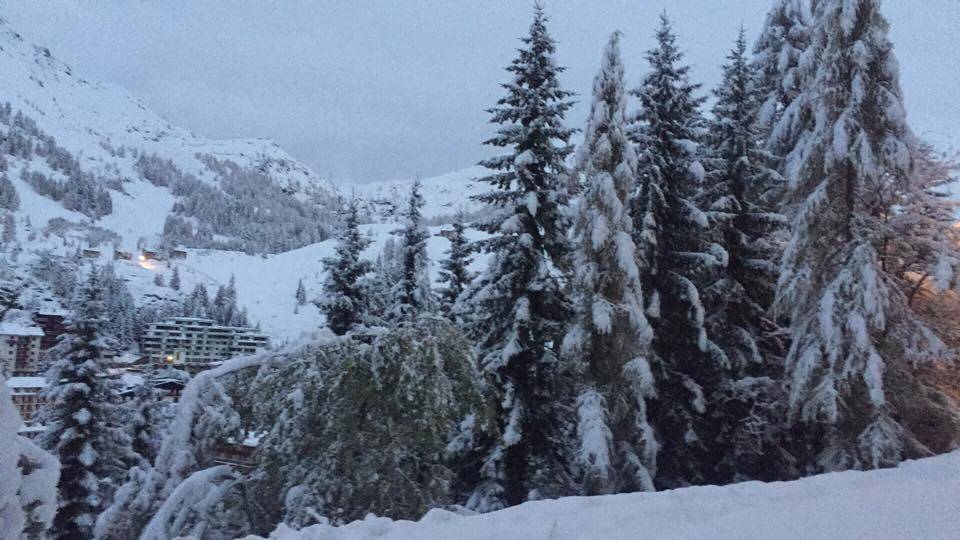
x=918, y=500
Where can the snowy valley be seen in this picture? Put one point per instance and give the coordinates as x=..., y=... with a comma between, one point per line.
x=724, y=312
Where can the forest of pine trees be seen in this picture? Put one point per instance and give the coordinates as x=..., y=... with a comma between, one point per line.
x=688, y=297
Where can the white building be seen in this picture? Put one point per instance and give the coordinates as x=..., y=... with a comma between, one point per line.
x=20, y=348
x=187, y=340
x=25, y=394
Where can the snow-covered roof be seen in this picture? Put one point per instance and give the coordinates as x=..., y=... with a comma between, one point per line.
x=19, y=329
x=26, y=382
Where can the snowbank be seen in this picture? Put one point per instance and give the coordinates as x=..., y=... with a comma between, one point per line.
x=920, y=499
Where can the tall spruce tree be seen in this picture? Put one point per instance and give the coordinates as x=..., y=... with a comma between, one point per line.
x=412, y=294
x=676, y=256
x=849, y=367
x=518, y=307
x=778, y=58
x=344, y=301
x=301, y=294
x=610, y=340
x=454, y=269
x=82, y=419
x=175, y=279
x=749, y=229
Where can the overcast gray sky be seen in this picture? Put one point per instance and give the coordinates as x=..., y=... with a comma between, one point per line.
x=381, y=89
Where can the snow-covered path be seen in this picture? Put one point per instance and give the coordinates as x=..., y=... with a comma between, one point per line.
x=918, y=500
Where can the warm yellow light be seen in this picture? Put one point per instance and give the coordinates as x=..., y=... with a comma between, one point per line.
x=142, y=258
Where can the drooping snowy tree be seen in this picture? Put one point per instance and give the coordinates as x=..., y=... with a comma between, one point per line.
x=782, y=59
x=854, y=338
x=414, y=395
x=517, y=311
x=28, y=492
x=750, y=229
x=455, y=272
x=343, y=300
x=412, y=295
x=676, y=256
x=610, y=340
x=83, y=422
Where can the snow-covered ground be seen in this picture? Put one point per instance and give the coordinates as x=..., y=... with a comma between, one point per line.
x=918, y=500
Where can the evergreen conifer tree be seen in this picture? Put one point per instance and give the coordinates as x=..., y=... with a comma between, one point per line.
x=82, y=419
x=412, y=294
x=738, y=300
x=175, y=279
x=676, y=256
x=455, y=272
x=849, y=367
x=301, y=295
x=778, y=61
x=344, y=300
x=518, y=311
x=610, y=339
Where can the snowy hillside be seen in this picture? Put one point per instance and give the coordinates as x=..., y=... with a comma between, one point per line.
x=96, y=119
x=444, y=195
x=917, y=500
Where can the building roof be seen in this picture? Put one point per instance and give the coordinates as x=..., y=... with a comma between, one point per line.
x=19, y=329
x=27, y=382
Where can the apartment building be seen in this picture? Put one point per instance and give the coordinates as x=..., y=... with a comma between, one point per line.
x=196, y=342
x=20, y=348
x=25, y=394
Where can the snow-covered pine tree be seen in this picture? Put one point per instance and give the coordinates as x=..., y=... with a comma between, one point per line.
x=158, y=280
x=343, y=300
x=517, y=311
x=301, y=294
x=676, y=256
x=412, y=295
x=749, y=229
x=9, y=235
x=854, y=338
x=610, y=340
x=82, y=420
x=455, y=272
x=148, y=417
x=28, y=492
x=175, y=279
x=9, y=199
x=777, y=58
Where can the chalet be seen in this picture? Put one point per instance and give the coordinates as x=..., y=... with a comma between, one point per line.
x=447, y=233
x=178, y=254
x=122, y=255
x=148, y=255
x=91, y=254
x=52, y=324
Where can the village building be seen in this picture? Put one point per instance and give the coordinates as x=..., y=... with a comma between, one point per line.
x=20, y=348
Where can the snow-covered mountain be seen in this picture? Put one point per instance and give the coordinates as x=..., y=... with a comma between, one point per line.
x=94, y=120
x=444, y=195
